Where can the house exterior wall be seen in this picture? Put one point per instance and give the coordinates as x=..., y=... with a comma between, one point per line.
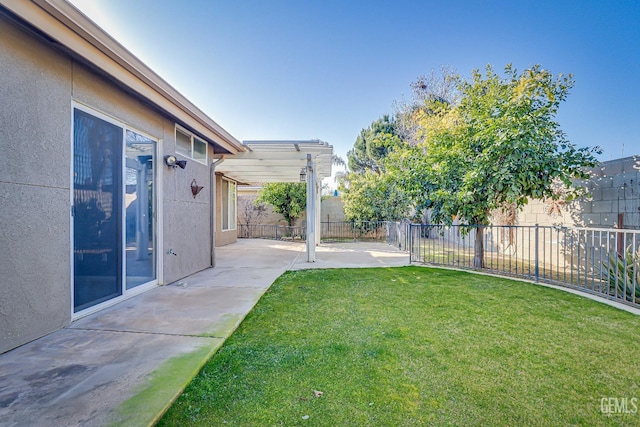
x=39, y=86
x=35, y=134
x=186, y=219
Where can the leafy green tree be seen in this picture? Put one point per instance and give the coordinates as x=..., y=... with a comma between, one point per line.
x=500, y=146
x=373, y=145
x=286, y=198
x=366, y=193
x=372, y=197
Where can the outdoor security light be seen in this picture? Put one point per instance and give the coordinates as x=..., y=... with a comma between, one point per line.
x=303, y=175
x=172, y=162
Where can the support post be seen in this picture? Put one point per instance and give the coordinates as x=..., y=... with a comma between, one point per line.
x=311, y=210
x=318, y=213
x=537, y=259
x=410, y=242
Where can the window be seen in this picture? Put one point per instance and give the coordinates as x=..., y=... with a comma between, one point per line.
x=183, y=143
x=191, y=146
x=199, y=150
x=228, y=205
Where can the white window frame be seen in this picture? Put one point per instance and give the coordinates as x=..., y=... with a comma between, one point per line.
x=194, y=140
x=231, y=216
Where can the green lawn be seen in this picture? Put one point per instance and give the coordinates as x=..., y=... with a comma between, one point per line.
x=417, y=346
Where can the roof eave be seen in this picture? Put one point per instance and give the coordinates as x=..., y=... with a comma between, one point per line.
x=64, y=23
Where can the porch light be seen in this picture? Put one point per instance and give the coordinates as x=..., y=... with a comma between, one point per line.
x=303, y=175
x=172, y=162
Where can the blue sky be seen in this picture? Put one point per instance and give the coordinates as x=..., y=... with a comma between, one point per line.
x=326, y=69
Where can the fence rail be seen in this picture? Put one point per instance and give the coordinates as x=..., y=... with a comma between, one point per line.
x=398, y=234
x=268, y=231
x=329, y=231
x=605, y=262
x=355, y=231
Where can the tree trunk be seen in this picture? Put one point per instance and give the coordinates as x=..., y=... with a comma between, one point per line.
x=478, y=248
x=290, y=220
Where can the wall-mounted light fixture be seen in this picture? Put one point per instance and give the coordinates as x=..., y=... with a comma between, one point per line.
x=195, y=188
x=303, y=175
x=173, y=162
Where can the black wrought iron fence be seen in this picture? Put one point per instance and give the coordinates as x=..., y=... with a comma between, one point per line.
x=605, y=262
x=268, y=231
x=353, y=231
x=329, y=231
x=398, y=234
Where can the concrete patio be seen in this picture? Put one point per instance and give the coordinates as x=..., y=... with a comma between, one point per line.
x=125, y=365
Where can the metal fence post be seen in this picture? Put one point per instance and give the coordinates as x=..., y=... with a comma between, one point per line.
x=536, y=267
x=410, y=243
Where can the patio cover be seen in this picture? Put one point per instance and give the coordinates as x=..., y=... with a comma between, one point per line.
x=277, y=161
x=282, y=161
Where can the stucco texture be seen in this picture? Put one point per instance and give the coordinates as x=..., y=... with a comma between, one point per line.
x=35, y=86
x=187, y=236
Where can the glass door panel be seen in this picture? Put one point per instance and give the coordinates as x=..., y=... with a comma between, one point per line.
x=139, y=203
x=97, y=218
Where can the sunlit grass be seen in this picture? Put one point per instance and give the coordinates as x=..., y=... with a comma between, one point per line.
x=417, y=346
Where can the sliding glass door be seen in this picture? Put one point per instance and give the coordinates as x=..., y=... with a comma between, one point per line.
x=97, y=222
x=113, y=210
x=139, y=201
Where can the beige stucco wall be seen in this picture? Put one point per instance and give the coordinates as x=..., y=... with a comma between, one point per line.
x=39, y=85
x=35, y=296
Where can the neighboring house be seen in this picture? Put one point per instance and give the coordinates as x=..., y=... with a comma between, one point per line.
x=91, y=213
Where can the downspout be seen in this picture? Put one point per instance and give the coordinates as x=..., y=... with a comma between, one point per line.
x=212, y=212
